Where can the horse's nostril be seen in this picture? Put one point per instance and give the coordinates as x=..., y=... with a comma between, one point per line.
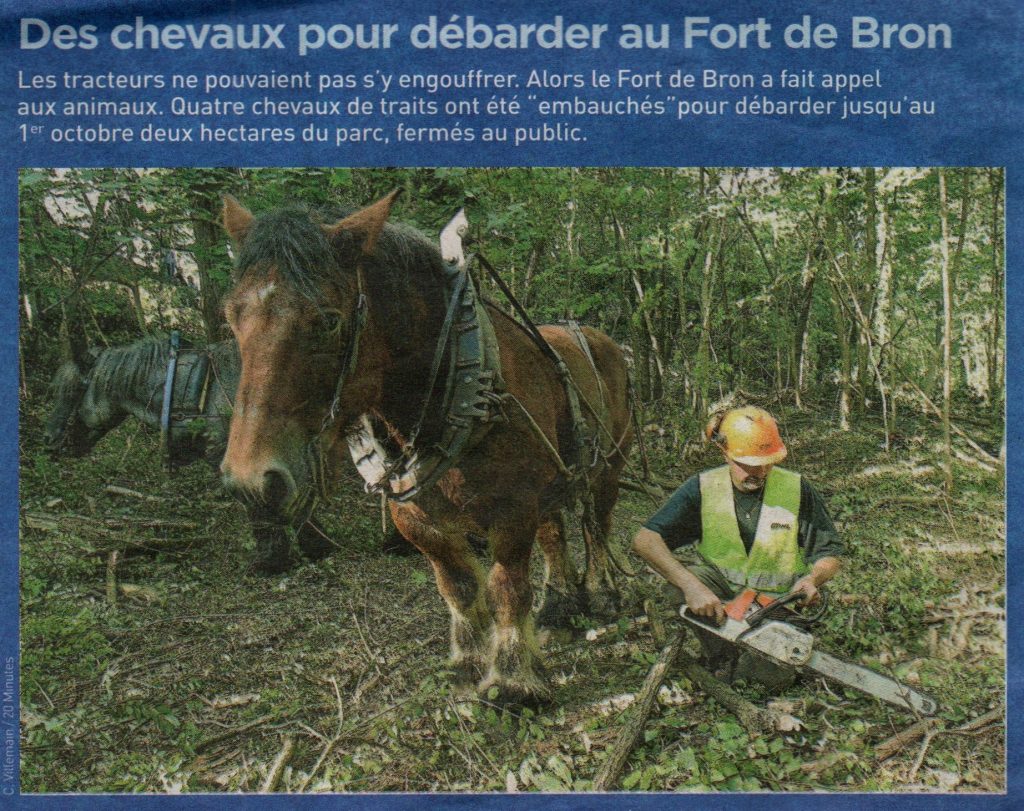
x=276, y=489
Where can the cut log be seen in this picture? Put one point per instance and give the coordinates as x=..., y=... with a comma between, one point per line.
x=608, y=775
x=752, y=718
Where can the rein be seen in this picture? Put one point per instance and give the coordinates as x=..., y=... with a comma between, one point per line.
x=579, y=485
x=351, y=354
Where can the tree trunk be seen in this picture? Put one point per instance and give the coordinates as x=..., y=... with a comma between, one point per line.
x=947, y=335
x=704, y=347
x=843, y=335
x=647, y=327
x=803, y=321
x=995, y=386
x=209, y=254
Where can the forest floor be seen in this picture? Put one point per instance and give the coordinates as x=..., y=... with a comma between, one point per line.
x=202, y=673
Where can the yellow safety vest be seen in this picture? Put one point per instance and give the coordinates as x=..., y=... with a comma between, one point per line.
x=775, y=561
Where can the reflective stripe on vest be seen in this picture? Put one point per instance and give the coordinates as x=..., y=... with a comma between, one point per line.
x=775, y=560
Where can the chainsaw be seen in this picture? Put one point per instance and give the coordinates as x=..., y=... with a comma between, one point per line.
x=755, y=621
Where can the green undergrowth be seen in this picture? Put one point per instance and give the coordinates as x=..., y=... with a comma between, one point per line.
x=202, y=671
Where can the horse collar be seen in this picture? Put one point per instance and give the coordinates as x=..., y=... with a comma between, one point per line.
x=199, y=372
x=469, y=401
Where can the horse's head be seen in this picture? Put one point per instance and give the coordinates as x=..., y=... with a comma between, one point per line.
x=298, y=312
x=65, y=431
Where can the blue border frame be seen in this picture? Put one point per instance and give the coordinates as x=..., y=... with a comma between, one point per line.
x=977, y=83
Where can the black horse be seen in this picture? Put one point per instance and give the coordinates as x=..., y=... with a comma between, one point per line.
x=93, y=397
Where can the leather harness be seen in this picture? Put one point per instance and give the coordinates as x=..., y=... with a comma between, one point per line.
x=470, y=400
x=201, y=372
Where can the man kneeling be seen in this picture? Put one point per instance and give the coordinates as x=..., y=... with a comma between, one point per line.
x=754, y=526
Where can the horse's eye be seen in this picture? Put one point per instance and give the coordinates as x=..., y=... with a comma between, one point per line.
x=331, y=323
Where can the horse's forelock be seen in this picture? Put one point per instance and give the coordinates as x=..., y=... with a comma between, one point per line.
x=292, y=241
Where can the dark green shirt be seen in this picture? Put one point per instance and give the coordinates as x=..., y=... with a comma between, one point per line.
x=678, y=521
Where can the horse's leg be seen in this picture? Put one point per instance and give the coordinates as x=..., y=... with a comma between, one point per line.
x=561, y=585
x=514, y=664
x=460, y=580
x=602, y=591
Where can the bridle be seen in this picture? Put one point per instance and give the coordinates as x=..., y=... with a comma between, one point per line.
x=349, y=359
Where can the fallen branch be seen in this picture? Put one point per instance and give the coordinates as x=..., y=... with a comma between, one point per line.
x=985, y=455
x=752, y=718
x=890, y=746
x=277, y=767
x=929, y=728
x=231, y=733
x=646, y=488
x=53, y=521
x=115, y=490
x=112, y=579
x=610, y=771
x=816, y=767
x=110, y=531
x=977, y=724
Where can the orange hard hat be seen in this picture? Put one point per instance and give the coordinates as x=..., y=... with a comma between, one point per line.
x=748, y=435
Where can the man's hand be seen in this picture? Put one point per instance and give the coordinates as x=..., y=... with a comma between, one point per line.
x=702, y=601
x=807, y=586
x=822, y=571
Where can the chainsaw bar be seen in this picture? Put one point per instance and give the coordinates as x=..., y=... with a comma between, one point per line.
x=790, y=646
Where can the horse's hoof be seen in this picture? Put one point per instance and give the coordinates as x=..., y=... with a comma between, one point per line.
x=509, y=691
x=558, y=610
x=467, y=671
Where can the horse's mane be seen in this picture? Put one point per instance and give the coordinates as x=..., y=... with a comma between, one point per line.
x=135, y=366
x=293, y=241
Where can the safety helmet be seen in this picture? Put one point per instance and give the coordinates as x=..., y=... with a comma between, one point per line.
x=747, y=435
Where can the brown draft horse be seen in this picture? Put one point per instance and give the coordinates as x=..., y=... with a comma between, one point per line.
x=297, y=284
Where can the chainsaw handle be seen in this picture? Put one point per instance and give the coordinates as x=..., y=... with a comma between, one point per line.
x=762, y=613
x=709, y=621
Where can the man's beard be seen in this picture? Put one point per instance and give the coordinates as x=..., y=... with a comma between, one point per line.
x=751, y=485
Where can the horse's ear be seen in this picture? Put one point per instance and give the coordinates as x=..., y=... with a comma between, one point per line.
x=369, y=221
x=237, y=219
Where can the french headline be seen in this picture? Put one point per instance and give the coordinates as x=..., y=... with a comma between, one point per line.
x=472, y=33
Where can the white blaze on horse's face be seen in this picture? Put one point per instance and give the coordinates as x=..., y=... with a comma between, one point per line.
x=274, y=409
x=289, y=346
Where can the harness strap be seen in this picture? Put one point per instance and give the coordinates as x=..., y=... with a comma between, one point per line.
x=351, y=355
x=442, y=346
x=205, y=390
x=165, y=410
